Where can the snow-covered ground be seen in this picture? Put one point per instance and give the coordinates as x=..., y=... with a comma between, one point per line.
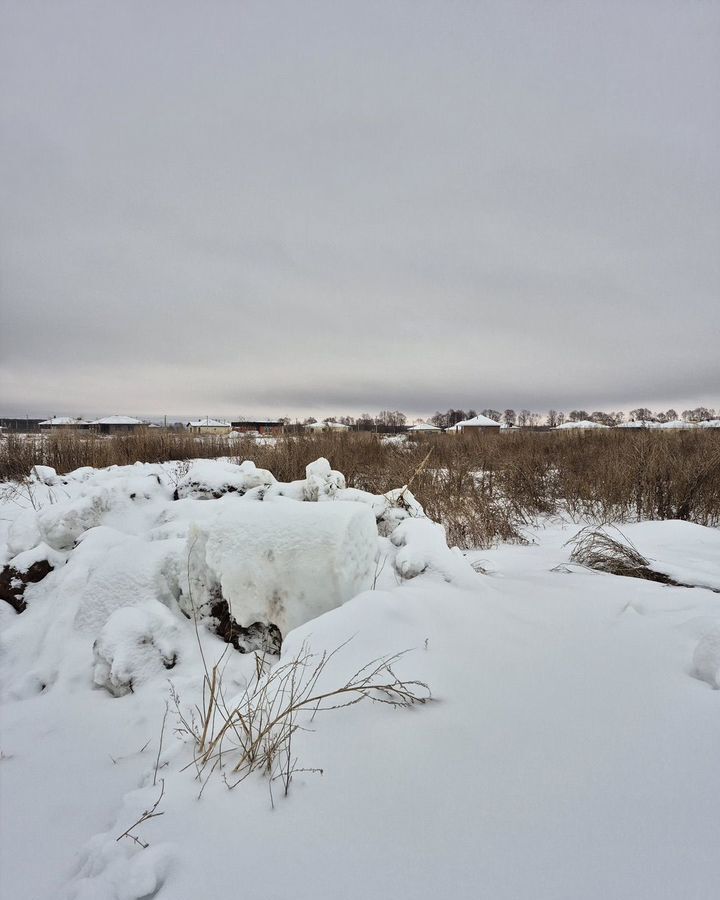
x=572, y=749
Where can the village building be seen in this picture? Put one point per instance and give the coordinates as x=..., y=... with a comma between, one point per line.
x=326, y=426
x=259, y=426
x=424, y=428
x=476, y=425
x=209, y=426
x=676, y=424
x=582, y=425
x=63, y=423
x=117, y=425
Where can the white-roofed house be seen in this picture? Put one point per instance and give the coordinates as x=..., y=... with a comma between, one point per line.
x=478, y=424
x=638, y=423
x=677, y=423
x=117, y=424
x=63, y=423
x=424, y=428
x=259, y=426
x=209, y=426
x=583, y=425
x=326, y=426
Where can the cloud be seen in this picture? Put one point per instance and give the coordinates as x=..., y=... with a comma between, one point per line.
x=338, y=207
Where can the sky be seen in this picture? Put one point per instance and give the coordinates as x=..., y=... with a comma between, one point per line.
x=270, y=208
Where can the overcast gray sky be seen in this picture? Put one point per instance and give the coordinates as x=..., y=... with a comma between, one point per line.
x=313, y=208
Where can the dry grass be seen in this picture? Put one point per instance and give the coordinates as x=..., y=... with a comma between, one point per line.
x=595, y=548
x=482, y=488
x=255, y=732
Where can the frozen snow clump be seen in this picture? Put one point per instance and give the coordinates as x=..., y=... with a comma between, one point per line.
x=321, y=481
x=423, y=548
x=135, y=644
x=210, y=478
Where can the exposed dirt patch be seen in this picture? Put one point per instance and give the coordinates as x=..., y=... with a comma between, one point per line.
x=258, y=636
x=13, y=582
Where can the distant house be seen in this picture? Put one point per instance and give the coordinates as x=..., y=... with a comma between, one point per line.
x=583, y=425
x=423, y=428
x=63, y=423
x=117, y=425
x=22, y=426
x=476, y=425
x=677, y=423
x=209, y=426
x=261, y=426
x=326, y=426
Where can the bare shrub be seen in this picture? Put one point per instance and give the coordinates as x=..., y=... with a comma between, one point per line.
x=595, y=548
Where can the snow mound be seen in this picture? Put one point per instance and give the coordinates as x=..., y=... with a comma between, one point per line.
x=282, y=563
x=112, y=584
x=321, y=481
x=103, y=501
x=134, y=645
x=44, y=474
x=209, y=478
x=423, y=548
x=246, y=556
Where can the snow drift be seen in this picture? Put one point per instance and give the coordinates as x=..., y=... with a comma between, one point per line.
x=573, y=753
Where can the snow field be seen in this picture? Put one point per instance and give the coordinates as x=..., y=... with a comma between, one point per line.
x=571, y=751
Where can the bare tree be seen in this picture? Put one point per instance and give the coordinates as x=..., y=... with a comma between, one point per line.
x=509, y=417
x=699, y=414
